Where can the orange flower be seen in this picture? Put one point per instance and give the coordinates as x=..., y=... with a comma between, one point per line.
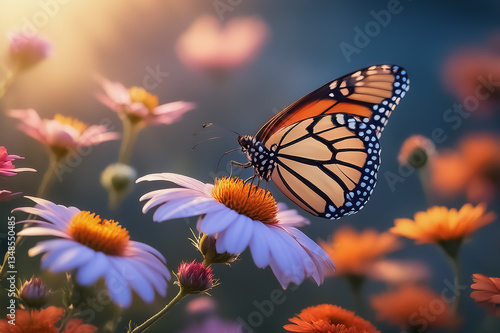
x=353, y=253
x=43, y=321
x=487, y=292
x=473, y=169
x=440, y=224
x=449, y=174
x=416, y=151
x=414, y=307
x=34, y=321
x=467, y=74
x=326, y=318
x=77, y=326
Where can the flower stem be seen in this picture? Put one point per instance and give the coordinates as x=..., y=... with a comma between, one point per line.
x=65, y=320
x=49, y=177
x=7, y=82
x=455, y=266
x=148, y=323
x=356, y=283
x=424, y=177
x=130, y=132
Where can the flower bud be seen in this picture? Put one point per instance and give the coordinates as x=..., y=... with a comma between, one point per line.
x=118, y=179
x=194, y=277
x=416, y=151
x=206, y=245
x=34, y=293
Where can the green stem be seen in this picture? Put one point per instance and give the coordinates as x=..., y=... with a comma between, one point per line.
x=356, y=283
x=111, y=325
x=66, y=319
x=148, y=323
x=423, y=175
x=130, y=131
x=455, y=266
x=7, y=81
x=49, y=177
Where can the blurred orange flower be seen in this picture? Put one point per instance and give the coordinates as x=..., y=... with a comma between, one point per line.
x=487, y=292
x=353, y=253
x=471, y=74
x=416, y=151
x=43, y=321
x=400, y=272
x=327, y=318
x=209, y=46
x=440, y=224
x=413, y=307
x=474, y=169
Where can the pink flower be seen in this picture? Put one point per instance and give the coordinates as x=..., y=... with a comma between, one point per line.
x=61, y=134
x=203, y=304
x=7, y=168
x=7, y=195
x=139, y=105
x=207, y=45
x=26, y=51
x=194, y=277
x=214, y=325
x=400, y=272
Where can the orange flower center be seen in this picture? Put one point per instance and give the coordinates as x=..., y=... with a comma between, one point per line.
x=75, y=123
x=246, y=199
x=140, y=95
x=106, y=236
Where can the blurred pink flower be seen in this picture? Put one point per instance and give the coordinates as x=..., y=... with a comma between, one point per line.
x=61, y=134
x=26, y=50
x=7, y=195
x=139, y=105
x=203, y=304
x=208, y=45
x=471, y=74
x=400, y=272
x=7, y=168
x=214, y=325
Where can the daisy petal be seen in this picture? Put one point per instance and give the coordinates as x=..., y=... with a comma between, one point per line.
x=93, y=270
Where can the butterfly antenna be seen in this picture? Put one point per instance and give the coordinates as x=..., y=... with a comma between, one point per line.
x=203, y=141
x=206, y=125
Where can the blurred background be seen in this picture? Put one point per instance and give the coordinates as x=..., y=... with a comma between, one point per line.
x=297, y=46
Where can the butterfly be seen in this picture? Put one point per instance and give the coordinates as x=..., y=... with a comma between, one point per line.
x=323, y=151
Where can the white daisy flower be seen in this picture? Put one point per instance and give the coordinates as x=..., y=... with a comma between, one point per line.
x=94, y=248
x=242, y=215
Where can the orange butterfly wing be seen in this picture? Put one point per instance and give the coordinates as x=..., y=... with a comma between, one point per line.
x=359, y=94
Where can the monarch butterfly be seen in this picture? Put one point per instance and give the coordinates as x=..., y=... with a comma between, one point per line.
x=323, y=151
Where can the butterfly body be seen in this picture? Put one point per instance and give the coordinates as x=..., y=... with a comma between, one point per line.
x=323, y=151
